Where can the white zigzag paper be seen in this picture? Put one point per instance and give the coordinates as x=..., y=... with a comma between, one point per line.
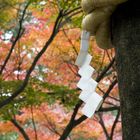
x=87, y=84
x=86, y=71
x=92, y=104
x=83, y=58
x=84, y=95
x=85, y=41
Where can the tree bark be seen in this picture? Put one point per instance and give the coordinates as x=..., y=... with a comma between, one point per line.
x=126, y=39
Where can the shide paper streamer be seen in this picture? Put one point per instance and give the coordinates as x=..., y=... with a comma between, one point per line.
x=96, y=23
x=88, y=85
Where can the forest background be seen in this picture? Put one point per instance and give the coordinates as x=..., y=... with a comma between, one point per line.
x=39, y=43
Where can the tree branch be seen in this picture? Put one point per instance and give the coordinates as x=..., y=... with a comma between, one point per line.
x=25, y=82
x=104, y=71
x=114, y=125
x=103, y=126
x=109, y=89
x=73, y=123
x=33, y=122
x=108, y=109
x=19, y=34
x=73, y=10
x=21, y=130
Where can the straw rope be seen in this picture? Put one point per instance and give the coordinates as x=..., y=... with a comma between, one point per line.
x=97, y=19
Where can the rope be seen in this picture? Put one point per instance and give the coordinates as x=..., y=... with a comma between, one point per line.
x=97, y=19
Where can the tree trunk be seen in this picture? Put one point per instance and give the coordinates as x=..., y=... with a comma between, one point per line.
x=126, y=39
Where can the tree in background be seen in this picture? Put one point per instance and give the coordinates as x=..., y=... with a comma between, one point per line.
x=40, y=41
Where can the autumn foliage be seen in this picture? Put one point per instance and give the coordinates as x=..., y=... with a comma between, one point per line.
x=44, y=108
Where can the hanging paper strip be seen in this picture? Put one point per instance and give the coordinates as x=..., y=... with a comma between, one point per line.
x=88, y=85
